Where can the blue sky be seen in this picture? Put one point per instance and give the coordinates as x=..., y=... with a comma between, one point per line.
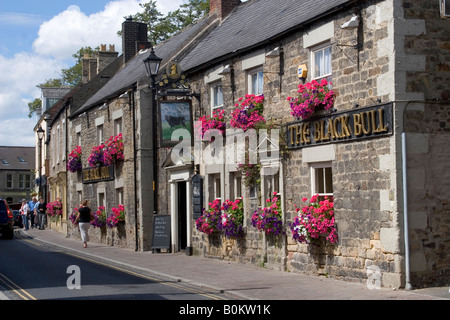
x=37, y=40
x=20, y=20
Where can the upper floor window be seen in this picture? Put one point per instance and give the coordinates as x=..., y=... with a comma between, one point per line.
x=117, y=126
x=321, y=62
x=99, y=134
x=216, y=95
x=256, y=81
x=9, y=181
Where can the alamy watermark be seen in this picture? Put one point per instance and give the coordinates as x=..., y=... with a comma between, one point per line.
x=74, y=280
x=250, y=146
x=373, y=277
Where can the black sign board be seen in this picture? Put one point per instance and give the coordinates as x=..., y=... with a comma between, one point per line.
x=197, y=195
x=92, y=175
x=161, y=232
x=357, y=124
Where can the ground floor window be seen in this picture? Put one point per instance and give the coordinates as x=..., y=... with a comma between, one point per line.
x=322, y=179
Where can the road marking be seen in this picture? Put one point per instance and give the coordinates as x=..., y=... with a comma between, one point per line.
x=14, y=287
x=164, y=282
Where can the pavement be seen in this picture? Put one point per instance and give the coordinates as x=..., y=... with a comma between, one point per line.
x=237, y=280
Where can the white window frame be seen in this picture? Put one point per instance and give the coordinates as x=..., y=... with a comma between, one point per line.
x=315, y=170
x=235, y=185
x=118, y=127
x=217, y=187
x=100, y=134
x=213, y=89
x=258, y=72
x=119, y=195
x=321, y=48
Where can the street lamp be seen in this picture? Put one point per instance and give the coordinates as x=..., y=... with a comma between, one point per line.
x=40, y=133
x=152, y=64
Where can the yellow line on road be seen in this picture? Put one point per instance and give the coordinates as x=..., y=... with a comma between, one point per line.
x=211, y=296
x=14, y=287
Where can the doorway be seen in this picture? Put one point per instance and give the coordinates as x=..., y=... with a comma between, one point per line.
x=182, y=218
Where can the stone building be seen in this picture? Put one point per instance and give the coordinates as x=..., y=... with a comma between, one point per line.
x=387, y=64
x=16, y=173
x=379, y=151
x=97, y=70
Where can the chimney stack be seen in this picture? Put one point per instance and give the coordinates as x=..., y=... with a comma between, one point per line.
x=93, y=65
x=222, y=8
x=134, y=38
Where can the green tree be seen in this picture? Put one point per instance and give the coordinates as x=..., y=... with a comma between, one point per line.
x=33, y=106
x=73, y=76
x=162, y=27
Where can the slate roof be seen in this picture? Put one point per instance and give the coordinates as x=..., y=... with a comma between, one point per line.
x=12, y=156
x=256, y=22
x=251, y=24
x=134, y=70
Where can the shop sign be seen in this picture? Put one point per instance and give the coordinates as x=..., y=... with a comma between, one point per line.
x=358, y=124
x=91, y=175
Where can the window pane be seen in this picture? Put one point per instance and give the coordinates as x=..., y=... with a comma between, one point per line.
x=254, y=83
x=218, y=96
x=319, y=181
x=318, y=60
x=328, y=181
x=260, y=83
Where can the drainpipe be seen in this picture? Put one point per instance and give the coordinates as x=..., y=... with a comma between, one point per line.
x=405, y=212
x=133, y=107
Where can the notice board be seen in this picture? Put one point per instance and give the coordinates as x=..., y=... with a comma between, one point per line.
x=161, y=232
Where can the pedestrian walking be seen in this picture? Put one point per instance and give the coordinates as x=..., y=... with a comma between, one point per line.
x=84, y=217
x=24, y=213
x=41, y=214
x=32, y=212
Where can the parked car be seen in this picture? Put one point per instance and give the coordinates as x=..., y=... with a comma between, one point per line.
x=6, y=220
x=17, y=218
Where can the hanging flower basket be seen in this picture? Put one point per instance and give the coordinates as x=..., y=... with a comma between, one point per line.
x=314, y=220
x=311, y=97
x=74, y=161
x=232, y=218
x=205, y=123
x=114, y=150
x=117, y=216
x=269, y=219
x=207, y=222
x=54, y=209
x=99, y=217
x=96, y=158
x=73, y=216
x=249, y=114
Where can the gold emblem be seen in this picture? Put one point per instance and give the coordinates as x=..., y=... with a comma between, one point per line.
x=173, y=70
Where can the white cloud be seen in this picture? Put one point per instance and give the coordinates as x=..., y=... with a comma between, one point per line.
x=21, y=75
x=58, y=39
x=64, y=34
x=17, y=132
x=20, y=19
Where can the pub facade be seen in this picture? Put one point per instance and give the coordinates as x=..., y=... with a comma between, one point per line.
x=362, y=150
x=353, y=188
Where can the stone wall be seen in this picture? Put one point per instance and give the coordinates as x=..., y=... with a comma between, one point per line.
x=86, y=127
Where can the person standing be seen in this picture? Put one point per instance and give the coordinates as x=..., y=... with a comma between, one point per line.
x=32, y=214
x=84, y=217
x=24, y=213
x=41, y=214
